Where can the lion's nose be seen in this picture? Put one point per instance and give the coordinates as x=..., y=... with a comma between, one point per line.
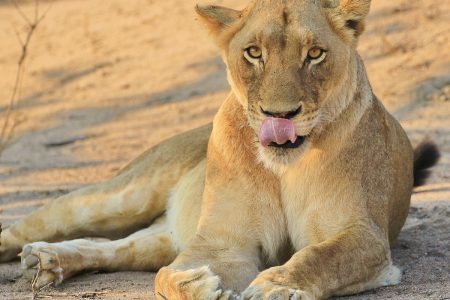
x=282, y=115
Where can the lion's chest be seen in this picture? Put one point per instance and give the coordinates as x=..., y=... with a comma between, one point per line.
x=273, y=232
x=296, y=212
x=317, y=204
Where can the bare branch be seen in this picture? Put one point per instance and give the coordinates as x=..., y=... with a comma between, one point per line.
x=39, y=19
x=36, y=10
x=19, y=38
x=22, y=14
x=9, y=125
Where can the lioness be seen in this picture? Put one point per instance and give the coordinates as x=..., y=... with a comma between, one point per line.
x=297, y=190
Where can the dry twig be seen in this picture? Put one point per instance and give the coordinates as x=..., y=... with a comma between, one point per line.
x=9, y=125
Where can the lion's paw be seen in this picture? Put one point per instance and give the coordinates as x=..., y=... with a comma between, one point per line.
x=7, y=255
x=42, y=263
x=271, y=291
x=8, y=251
x=192, y=284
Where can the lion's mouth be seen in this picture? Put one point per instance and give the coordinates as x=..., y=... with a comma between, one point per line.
x=279, y=133
x=290, y=145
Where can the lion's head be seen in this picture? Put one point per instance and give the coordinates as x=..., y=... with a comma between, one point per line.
x=292, y=65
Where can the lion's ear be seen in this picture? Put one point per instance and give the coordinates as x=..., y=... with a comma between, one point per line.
x=349, y=14
x=354, y=13
x=217, y=18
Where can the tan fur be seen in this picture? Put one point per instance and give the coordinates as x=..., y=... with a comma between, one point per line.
x=304, y=223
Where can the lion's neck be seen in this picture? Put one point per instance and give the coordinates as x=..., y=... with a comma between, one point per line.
x=233, y=139
x=345, y=111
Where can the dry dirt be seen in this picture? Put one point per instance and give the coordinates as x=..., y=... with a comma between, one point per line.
x=106, y=80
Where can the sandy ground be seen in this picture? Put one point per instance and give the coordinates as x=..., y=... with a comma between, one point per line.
x=105, y=80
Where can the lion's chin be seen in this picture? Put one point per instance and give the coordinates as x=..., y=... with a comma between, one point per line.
x=278, y=158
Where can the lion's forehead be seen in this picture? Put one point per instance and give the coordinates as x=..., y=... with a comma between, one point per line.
x=279, y=23
x=286, y=12
x=282, y=4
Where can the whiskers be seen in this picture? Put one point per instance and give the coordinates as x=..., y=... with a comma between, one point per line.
x=326, y=116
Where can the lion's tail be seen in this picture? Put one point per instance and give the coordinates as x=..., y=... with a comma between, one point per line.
x=426, y=155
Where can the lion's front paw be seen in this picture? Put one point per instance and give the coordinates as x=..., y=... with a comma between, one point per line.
x=51, y=263
x=41, y=263
x=7, y=251
x=271, y=291
x=272, y=285
x=7, y=255
x=193, y=284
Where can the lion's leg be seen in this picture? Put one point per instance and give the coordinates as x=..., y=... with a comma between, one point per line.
x=96, y=211
x=131, y=200
x=146, y=250
x=356, y=259
x=112, y=209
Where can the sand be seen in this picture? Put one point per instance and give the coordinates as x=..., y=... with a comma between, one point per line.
x=106, y=80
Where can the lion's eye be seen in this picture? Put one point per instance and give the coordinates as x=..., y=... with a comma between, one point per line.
x=254, y=52
x=316, y=53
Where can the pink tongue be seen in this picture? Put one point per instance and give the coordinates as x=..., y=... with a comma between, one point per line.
x=278, y=131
